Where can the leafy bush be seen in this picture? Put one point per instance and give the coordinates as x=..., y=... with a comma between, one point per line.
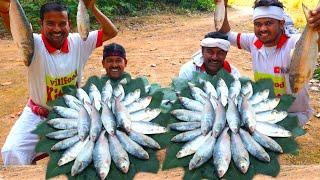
x=113, y=8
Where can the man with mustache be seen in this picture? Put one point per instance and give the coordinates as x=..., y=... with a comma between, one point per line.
x=58, y=61
x=270, y=46
x=211, y=58
x=114, y=60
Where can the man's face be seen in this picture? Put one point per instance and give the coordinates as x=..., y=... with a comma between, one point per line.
x=268, y=30
x=114, y=66
x=56, y=27
x=213, y=59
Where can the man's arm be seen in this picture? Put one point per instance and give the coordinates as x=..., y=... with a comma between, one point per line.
x=225, y=26
x=4, y=13
x=108, y=28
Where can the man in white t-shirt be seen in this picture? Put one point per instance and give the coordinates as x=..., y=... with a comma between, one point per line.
x=211, y=58
x=270, y=47
x=59, y=59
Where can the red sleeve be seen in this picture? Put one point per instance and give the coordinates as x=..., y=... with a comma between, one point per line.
x=238, y=40
x=99, y=39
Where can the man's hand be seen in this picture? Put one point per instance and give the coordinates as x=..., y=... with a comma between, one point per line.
x=314, y=19
x=4, y=6
x=217, y=1
x=89, y=4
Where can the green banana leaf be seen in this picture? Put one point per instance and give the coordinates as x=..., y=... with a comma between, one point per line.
x=207, y=170
x=136, y=165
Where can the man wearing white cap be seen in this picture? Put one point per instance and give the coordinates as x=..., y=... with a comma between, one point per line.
x=270, y=46
x=211, y=58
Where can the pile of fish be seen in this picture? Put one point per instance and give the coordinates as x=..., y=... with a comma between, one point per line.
x=227, y=123
x=100, y=126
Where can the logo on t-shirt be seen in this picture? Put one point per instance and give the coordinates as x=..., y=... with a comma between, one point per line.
x=280, y=70
x=55, y=84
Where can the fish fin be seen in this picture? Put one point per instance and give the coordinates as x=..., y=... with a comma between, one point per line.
x=306, y=10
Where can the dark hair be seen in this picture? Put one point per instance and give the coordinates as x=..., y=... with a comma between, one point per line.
x=258, y=3
x=216, y=34
x=114, y=49
x=52, y=6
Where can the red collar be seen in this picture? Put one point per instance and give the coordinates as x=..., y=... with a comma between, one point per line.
x=226, y=66
x=51, y=49
x=283, y=39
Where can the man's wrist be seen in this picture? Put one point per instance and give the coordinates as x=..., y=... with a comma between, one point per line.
x=4, y=12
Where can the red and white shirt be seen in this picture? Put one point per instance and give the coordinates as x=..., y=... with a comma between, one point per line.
x=196, y=64
x=273, y=63
x=52, y=69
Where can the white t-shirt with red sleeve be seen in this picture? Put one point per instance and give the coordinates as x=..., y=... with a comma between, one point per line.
x=274, y=63
x=52, y=69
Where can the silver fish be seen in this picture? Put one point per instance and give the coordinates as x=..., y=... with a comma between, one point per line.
x=66, y=112
x=267, y=142
x=145, y=114
x=259, y=97
x=223, y=92
x=122, y=115
x=203, y=154
x=185, y=126
x=220, y=120
x=62, y=134
x=63, y=123
x=106, y=93
x=197, y=93
x=192, y=146
x=108, y=119
x=140, y=104
x=72, y=102
x=208, y=115
x=131, y=147
x=96, y=124
x=147, y=127
x=234, y=90
x=219, y=14
x=66, y=143
x=21, y=31
x=101, y=155
x=83, y=123
x=83, y=159
x=239, y=153
x=83, y=20
x=273, y=116
x=222, y=153
x=267, y=105
x=233, y=116
x=191, y=104
x=131, y=97
x=272, y=130
x=119, y=91
x=144, y=140
x=253, y=147
x=95, y=96
x=186, y=115
x=82, y=95
x=210, y=89
x=247, y=114
x=186, y=136
x=71, y=153
x=304, y=58
x=118, y=154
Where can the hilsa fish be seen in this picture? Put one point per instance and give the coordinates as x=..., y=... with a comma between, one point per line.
x=83, y=21
x=304, y=58
x=21, y=32
x=219, y=14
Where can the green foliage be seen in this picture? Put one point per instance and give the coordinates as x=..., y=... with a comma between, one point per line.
x=114, y=8
x=207, y=170
x=136, y=165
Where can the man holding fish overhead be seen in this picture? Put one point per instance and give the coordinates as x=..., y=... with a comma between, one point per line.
x=55, y=58
x=271, y=47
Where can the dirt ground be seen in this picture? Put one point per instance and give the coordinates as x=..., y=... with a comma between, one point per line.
x=156, y=47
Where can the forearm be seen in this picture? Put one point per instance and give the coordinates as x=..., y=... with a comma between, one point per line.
x=225, y=26
x=108, y=28
x=4, y=13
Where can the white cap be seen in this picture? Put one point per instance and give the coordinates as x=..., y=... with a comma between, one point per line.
x=215, y=42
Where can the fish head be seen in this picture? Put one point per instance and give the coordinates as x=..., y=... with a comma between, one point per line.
x=244, y=166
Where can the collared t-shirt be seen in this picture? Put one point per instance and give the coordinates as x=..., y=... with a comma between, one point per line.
x=273, y=63
x=196, y=65
x=52, y=69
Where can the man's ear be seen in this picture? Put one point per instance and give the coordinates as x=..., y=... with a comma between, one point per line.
x=125, y=62
x=70, y=23
x=282, y=24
